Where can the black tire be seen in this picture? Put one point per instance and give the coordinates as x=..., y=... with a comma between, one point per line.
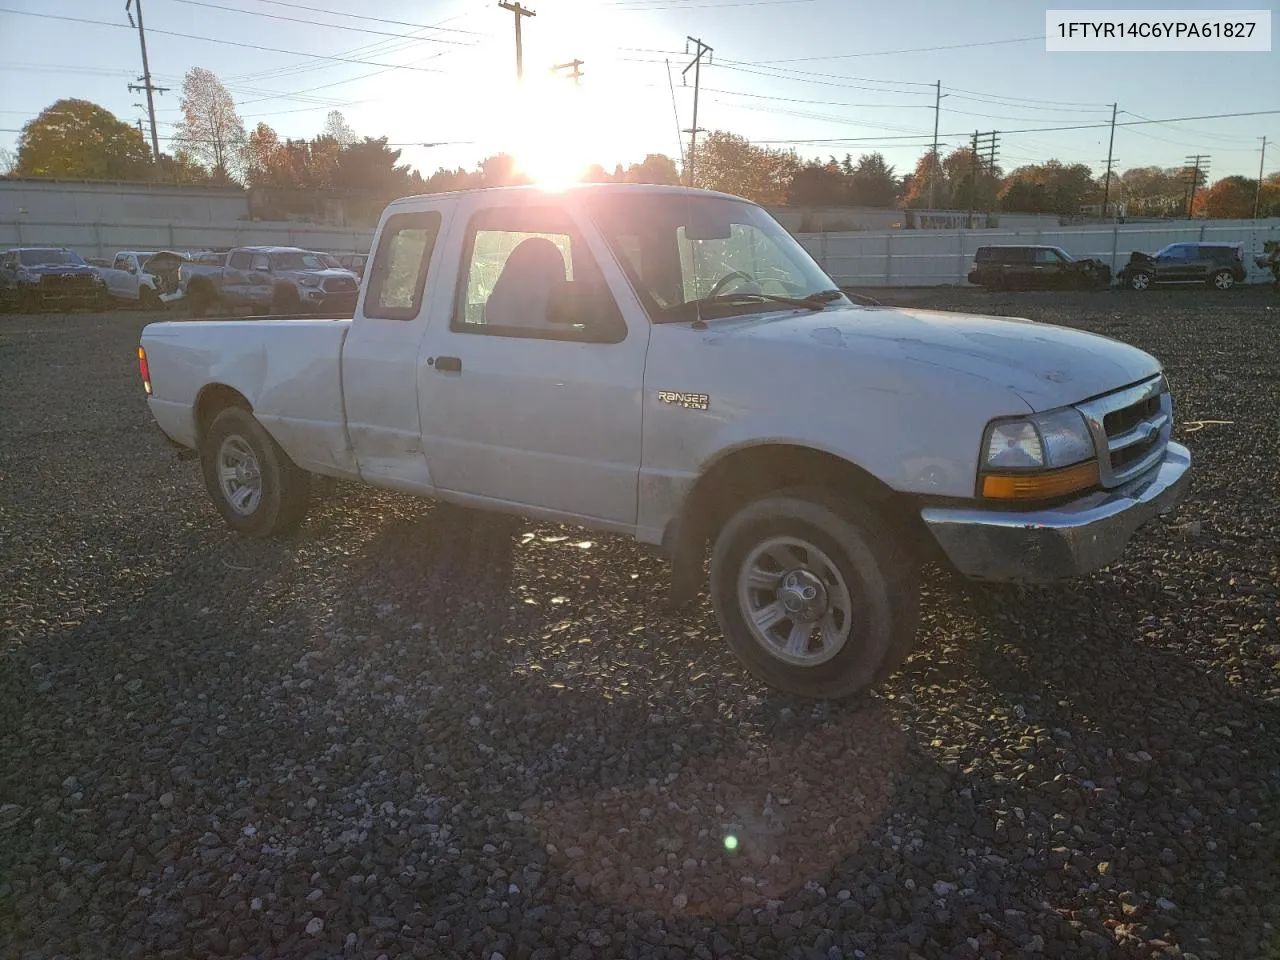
x=284, y=487
x=881, y=576
x=285, y=301
x=1140, y=280
x=148, y=299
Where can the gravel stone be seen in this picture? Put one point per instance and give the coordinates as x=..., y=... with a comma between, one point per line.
x=408, y=730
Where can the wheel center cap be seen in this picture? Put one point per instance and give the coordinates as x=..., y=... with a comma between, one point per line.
x=803, y=595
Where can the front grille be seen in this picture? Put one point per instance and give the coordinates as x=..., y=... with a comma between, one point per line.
x=339, y=285
x=1131, y=428
x=59, y=282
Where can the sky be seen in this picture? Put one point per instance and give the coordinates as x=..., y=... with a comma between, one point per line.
x=827, y=77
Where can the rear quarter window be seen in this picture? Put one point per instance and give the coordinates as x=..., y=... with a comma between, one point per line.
x=398, y=272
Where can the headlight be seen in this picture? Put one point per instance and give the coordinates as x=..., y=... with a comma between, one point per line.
x=309, y=281
x=1038, y=457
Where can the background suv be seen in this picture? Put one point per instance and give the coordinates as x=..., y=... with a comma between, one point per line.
x=1031, y=267
x=1220, y=265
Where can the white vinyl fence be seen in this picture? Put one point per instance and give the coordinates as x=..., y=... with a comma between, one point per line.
x=925, y=258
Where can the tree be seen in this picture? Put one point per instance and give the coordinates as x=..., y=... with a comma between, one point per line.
x=1151, y=191
x=267, y=162
x=337, y=128
x=928, y=170
x=654, y=168
x=872, y=183
x=80, y=140
x=732, y=164
x=1231, y=198
x=819, y=185
x=1051, y=187
x=970, y=187
x=211, y=131
x=180, y=168
x=8, y=161
x=371, y=166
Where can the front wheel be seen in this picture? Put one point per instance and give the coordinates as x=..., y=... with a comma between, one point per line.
x=1140, y=281
x=258, y=490
x=814, y=595
x=1223, y=280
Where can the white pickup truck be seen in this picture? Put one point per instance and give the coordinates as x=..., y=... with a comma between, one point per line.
x=671, y=364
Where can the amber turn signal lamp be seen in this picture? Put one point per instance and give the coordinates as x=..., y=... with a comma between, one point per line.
x=1042, y=485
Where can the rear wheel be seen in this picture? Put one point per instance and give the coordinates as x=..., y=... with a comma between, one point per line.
x=1222, y=280
x=815, y=596
x=1140, y=281
x=258, y=490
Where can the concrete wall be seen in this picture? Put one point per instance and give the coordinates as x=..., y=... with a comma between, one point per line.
x=83, y=201
x=908, y=258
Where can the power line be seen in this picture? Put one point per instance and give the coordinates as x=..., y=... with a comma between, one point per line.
x=364, y=16
x=1079, y=126
x=145, y=80
x=885, y=53
x=230, y=43
x=317, y=23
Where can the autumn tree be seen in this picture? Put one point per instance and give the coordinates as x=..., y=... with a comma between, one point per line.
x=267, y=163
x=1151, y=191
x=1051, y=187
x=929, y=172
x=1231, y=198
x=180, y=168
x=654, y=168
x=211, y=131
x=80, y=140
x=8, y=161
x=733, y=164
x=973, y=183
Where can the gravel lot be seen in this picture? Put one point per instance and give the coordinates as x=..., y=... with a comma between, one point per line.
x=403, y=731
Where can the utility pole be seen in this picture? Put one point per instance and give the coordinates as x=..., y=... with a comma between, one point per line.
x=696, y=66
x=933, y=165
x=1257, y=194
x=1106, y=188
x=982, y=143
x=145, y=79
x=577, y=73
x=1194, y=165
x=520, y=13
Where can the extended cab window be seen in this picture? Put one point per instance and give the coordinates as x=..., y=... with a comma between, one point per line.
x=260, y=261
x=515, y=260
x=122, y=263
x=240, y=260
x=399, y=271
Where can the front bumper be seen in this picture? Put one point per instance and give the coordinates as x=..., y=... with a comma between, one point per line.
x=1040, y=546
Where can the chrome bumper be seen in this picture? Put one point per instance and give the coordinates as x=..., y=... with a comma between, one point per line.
x=1045, y=545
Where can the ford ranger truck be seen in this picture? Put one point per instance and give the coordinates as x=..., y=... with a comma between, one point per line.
x=672, y=365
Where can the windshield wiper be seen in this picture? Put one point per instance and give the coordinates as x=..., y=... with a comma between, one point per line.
x=808, y=303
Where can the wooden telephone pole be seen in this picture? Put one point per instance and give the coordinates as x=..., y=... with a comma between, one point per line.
x=696, y=66
x=520, y=13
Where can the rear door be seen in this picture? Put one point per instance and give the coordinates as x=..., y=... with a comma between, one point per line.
x=235, y=277
x=515, y=411
x=259, y=278
x=1178, y=264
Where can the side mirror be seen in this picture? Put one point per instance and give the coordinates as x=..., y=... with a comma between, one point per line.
x=586, y=308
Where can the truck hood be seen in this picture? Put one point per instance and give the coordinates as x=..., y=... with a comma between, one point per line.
x=1047, y=366
x=41, y=269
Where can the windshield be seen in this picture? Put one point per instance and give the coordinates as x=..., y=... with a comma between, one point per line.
x=678, y=250
x=297, y=261
x=40, y=258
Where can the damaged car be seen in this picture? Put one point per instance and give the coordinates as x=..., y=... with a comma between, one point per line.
x=1216, y=265
x=35, y=278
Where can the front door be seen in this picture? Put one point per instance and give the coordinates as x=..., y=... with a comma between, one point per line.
x=516, y=410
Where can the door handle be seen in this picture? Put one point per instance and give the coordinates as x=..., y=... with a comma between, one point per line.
x=449, y=364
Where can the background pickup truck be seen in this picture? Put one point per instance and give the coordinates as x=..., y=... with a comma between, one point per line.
x=149, y=279
x=32, y=278
x=285, y=280
x=671, y=364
